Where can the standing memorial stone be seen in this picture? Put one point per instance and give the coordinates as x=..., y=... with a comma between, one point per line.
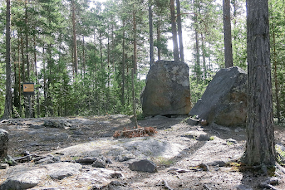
x=167, y=90
x=224, y=101
x=3, y=143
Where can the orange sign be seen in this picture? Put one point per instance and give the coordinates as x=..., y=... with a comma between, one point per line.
x=28, y=88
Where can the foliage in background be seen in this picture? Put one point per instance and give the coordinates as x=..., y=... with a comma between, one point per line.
x=111, y=39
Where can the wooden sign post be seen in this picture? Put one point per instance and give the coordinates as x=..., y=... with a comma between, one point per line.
x=28, y=90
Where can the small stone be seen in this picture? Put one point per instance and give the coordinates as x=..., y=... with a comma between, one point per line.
x=99, y=163
x=121, y=158
x=143, y=166
x=203, y=138
x=237, y=130
x=243, y=187
x=10, y=161
x=36, y=126
x=116, y=183
x=217, y=163
x=192, y=121
x=273, y=181
x=204, y=122
x=116, y=175
x=204, y=167
x=232, y=141
x=86, y=160
x=4, y=166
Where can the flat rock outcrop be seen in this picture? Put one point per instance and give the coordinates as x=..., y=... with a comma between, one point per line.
x=167, y=90
x=225, y=100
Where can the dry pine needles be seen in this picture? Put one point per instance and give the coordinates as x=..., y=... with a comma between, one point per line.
x=138, y=132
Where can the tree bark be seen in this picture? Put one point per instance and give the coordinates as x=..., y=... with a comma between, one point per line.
x=197, y=68
x=37, y=78
x=8, y=96
x=181, y=48
x=75, y=59
x=158, y=41
x=260, y=146
x=174, y=31
x=83, y=55
x=276, y=83
x=227, y=34
x=123, y=69
x=19, y=76
x=27, y=43
x=134, y=100
x=204, y=57
x=135, y=40
x=150, y=34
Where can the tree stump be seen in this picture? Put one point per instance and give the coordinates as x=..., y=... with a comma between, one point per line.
x=3, y=143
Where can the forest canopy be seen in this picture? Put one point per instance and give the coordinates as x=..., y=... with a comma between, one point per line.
x=80, y=53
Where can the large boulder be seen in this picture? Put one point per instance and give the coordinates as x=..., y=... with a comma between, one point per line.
x=225, y=100
x=3, y=143
x=167, y=90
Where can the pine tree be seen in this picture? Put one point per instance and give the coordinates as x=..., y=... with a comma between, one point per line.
x=227, y=34
x=8, y=95
x=260, y=145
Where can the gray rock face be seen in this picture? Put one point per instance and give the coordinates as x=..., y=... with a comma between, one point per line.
x=3, y=143
x=225, y=100
x=62, y=170
x=143, y=166
x=167, y=90
x=23, y=178
x=56, y=124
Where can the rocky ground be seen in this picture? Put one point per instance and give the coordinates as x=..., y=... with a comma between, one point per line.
x=81, y=153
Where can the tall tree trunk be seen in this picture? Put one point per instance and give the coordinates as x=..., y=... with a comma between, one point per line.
x=227, y=34
x=276, y=80
x=174, y=31
x=123, y=69
x=108, y=72
x=204, y=57
x=27, y=98
x=151, y=55
x=8, y=96
x=135, y=40
x=181, y=48
x=101, y=48
x=24, y=60
x=75, y=58
x=45, y=83
x=158, y=41
x=113, y=49
x=134, y=99
x=83, y=55
x=260, y=145
x=19, y=76
x=197, y=67
x=37, y=78
x=27, y=42
x=16, y=82
x=49, y=103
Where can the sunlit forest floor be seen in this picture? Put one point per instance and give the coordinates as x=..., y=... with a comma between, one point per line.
x=187, y=156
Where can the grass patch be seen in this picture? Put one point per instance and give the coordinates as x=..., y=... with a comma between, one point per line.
x=280, y=155
x=161, y=161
